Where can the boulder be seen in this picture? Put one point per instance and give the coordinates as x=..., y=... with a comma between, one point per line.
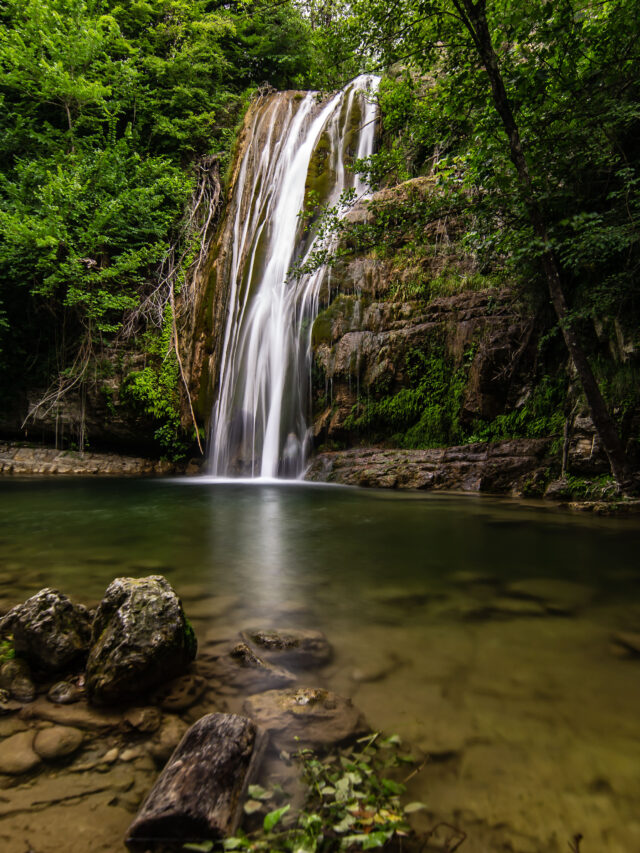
x=49, y=630
x=64, y=693
x=305, y=717
x=15, y=677
x=57, y=742
x=140, y=640
x=292, y=647
x=199, y=794
x=17, y=755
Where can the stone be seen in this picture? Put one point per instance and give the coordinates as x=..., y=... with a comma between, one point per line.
x=292, y=647
x=626, y=644
x=49, y=630
x=557, y=596
x=79, y=715
x=15, y=677
x=240, y=667
x=64, y=693
x=143, y=719
x=140, y=640
x=305, y=717
x=57, y=742
x=181, y=693
x=7, y=704
x=199, y=795
x=166, y=739
x=17, y=755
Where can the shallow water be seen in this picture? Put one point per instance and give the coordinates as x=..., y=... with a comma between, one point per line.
x=530, y=722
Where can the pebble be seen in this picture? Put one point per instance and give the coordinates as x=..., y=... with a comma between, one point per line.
x=57, y=742
x=17, y=755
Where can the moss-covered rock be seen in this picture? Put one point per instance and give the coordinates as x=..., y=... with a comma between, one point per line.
x=140, y=640
x=49, y=630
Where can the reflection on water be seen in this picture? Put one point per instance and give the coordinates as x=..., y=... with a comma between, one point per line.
x=476, y=628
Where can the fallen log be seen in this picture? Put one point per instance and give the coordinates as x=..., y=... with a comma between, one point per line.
x=200, y=793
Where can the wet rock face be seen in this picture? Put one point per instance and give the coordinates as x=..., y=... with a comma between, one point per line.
x=140, y=640
x=49, y=630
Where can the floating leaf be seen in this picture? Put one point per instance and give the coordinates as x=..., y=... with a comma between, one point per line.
x=271, y=819
x=414, y=807
x=257, y=792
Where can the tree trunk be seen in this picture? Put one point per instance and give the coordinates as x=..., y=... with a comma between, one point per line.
x=475, y=20
x=199, y=795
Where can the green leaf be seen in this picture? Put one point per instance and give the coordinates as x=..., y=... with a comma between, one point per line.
x=376, y=839
x=252, y=806
x=257, y=792
x=271, y=819
x=345, y=824
x=204, y=847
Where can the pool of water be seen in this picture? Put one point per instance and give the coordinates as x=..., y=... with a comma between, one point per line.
x=477, y=629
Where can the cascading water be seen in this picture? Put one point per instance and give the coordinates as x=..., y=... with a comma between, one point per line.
x=259, y=425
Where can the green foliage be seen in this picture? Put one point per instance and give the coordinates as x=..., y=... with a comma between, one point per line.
x=154, y=390
x=353, y=803
x=105, y=107
x=424, y=414
x=542, y=414
x=7, y=651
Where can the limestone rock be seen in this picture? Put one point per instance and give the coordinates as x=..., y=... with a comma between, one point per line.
x=17, y=754
x=57, y=742
x=292, y=647
x=79, y=715
x=144, y=719
x=238, y=665
x=15, y=677
x=557, y=596
x=64, y=693
x=49, y=630
x=166, y=739
x=181, y=693
x=140, y=640
x=305, y=717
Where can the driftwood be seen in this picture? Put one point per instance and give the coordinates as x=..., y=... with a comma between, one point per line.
x=199, y=794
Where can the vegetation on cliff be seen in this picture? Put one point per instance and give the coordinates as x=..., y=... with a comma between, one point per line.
x=110, y=113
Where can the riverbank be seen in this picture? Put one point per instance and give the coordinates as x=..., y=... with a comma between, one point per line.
x=26, y=460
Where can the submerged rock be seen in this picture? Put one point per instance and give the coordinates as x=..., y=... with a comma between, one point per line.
x=297, y=648
x=182, y=693
x=305, y=717
x=556, y=596
x=17, y=755
x=49, y=630
x=57, y=742
x=626, y=644
x=140, y=640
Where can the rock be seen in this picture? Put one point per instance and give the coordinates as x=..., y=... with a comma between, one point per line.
x=130, y=754
x=626, y=644
x=305, y=717
x=15, y=677
x=7, y=704
x=143, y=719
x=57, y=742
x=181, y=693
x=49, y=630
x=199, y=794
x=166, y=739
x=140, y=640
x=110, y=756
x=237, y=665
x=78, y=714
x=292, y=647
x=17, y=755
x=64, y=693
x=501, y=608
x=557, y=596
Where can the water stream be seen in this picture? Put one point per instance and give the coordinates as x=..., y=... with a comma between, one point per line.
x=260, y=421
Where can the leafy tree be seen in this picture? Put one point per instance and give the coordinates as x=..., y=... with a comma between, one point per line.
x=532, y=111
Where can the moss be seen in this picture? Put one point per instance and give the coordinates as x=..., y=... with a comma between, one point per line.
x=7, y=651
x=190, y=641
x=342, y=308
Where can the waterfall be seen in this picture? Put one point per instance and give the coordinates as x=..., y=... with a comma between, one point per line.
x=297, y=143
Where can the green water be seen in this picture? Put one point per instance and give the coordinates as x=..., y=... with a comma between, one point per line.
x=529, y=719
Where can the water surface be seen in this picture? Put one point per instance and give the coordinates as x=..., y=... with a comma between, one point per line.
x=529, y=721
